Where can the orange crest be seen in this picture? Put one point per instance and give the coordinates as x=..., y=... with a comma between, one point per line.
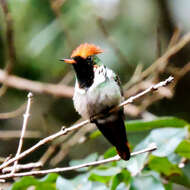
x=85, y=50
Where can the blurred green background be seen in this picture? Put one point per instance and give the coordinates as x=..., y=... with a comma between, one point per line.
x=133, y=33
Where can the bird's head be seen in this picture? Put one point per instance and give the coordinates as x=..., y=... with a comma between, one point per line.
x=84, y=60
x=85, y=54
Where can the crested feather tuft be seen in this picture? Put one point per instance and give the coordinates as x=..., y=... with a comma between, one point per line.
x=85, y=50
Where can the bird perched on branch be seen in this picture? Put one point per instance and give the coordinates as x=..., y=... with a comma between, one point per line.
x=97, y=90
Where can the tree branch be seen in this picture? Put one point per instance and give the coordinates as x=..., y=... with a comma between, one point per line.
x=57, y=170
x=9, y=36
x=14, y=113
x=23, y=167
x=38, y=87
x=64, y=130
x=9, y=134
x=164, y=58
x=9, y=42
x=25, y=122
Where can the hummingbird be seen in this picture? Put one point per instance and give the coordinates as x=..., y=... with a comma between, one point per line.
x=97, y=90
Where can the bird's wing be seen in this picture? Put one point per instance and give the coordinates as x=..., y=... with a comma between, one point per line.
x=117, y=79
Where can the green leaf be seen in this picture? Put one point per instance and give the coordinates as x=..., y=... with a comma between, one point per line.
x=166, y=139
x=52, y=177
x=124, y=176
x=110, y=152
x=24, y=183
x=163, y=166
x=182, y=180
x=140, y=125
x=103, y=175
x=168, y=186
x=82, y=181
x=171, y=171
x=91, y=158
x=102, y=179
x=97, y=186
x=47, y=182
x=183, y=149
x=62, y=184
x=148, y=180
x=95, y=134
x=106, y=171
x=135, y=164
x=161, y=122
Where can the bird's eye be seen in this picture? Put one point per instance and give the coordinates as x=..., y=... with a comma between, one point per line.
x=89, y=58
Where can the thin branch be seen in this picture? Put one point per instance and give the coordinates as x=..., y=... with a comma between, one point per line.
x=38, y=87
x=25, y=122
x=9, y=134
x=171, y=51
x=9, y=42
x=9, y=35
x=174, y=38
x=160, y=64
x=23, y=167
x=47, y=154
x=7, y=158
x=57, y=170
x=14, y=113
x=78, y=137
x=64, y=130
x=183, y=162
x=152, y=88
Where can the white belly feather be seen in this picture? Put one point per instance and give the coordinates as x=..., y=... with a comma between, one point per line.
x=104, y=93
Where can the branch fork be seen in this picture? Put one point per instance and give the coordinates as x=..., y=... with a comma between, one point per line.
x=65, y=131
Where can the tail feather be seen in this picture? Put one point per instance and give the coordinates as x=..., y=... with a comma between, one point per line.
x=113, y=128
x=124, y=152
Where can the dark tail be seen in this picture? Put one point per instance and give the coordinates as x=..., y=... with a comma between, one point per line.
x=113, y=128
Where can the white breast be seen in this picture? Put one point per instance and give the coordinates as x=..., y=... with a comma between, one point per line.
x=103, y=93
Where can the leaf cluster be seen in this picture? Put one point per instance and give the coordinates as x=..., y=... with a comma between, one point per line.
x=158, y=170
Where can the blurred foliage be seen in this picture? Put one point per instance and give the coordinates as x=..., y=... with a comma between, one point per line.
x=41, y=38
x=149, y=169
x=45, y=31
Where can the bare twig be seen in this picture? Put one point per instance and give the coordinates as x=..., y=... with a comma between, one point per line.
x=9, y=35
x=183, y=162
x=160, y=64
x=175, y=38
x=64, y=130
x=2, y=159
x=168, y=92
x=47, y=154
x=78, y=137
x=14, y=113
x=25, y=122
x=171, y=51
x=38, y=87
x=57, y=170
x=9, y=134
x=152, y=88
x=9, y=41
x=23, y=167
x=179, y=72
x=7, y=158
